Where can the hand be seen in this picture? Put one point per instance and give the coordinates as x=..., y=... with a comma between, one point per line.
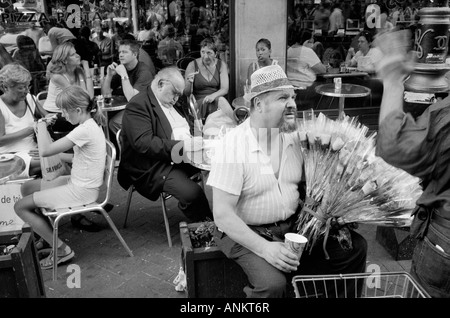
x=397, y=62
x=394, y=43
x=50, y=119
x=121, y=70
x=190, y=77
x=85, y=65
x=351, y=52
x=193, y=144
x=277, y=254
x=208, y=99
x=111, y=70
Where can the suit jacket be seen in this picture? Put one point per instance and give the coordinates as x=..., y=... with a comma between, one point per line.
x=146, y=145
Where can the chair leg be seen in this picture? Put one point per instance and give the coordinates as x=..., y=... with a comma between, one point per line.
x=130, y=194
x=166, y=220
x=55, y=249
x=114, y=228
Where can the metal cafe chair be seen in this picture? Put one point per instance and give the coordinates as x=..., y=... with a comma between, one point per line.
x=56, y=215
x=41, y=97
x=163, y=196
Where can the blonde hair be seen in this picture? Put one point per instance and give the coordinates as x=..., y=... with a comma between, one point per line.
x=14, y=74
x=73, y=97
x=58, y=64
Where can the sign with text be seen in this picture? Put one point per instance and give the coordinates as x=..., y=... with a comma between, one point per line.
x=9, y=195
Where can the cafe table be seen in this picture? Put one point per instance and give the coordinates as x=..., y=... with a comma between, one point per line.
x=11, y=166
x=335, y=73
x=117, y=103
x=202, y=160
x=346, y=90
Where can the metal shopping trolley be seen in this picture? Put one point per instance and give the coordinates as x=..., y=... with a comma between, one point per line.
x=364, y=285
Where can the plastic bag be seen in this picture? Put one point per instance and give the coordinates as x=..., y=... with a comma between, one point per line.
x=180, y=281
x=217, y=121
x=52, y=166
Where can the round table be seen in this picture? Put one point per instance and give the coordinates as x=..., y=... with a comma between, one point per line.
x=11, y=169
x=117, y=103
x=347, y=90
x=202, y=159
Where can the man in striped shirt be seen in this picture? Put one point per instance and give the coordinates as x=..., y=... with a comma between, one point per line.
x=255, y=176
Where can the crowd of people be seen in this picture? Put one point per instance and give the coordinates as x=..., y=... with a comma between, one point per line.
x=254, y=203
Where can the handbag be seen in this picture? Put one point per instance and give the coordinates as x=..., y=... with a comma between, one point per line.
x=52, y=166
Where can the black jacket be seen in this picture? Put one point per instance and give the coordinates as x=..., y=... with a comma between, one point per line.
x=146, y=157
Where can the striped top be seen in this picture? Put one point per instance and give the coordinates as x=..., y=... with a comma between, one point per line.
x=241, y=167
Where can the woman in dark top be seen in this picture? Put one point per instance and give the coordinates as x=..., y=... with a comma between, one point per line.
x=207, y=79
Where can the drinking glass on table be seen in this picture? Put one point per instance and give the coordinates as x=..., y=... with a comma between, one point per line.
x=100, y=101
x=107, y=100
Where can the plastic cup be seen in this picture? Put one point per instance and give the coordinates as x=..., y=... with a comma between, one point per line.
x=296, y=243
x=100, y=101
x=337, y=83
x=108, y=100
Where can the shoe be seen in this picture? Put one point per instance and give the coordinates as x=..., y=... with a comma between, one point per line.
x=44, y=253
x=85, y=224
x=47, y=263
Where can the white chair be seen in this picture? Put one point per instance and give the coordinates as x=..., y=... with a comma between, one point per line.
x=41, y=97
x=163, y=196
x=56, y=215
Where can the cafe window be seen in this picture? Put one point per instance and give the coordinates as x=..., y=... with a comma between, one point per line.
x=194, y=20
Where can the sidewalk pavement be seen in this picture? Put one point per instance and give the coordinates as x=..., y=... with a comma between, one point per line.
x=108, y=272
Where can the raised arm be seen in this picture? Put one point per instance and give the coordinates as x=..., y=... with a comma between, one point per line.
x=189, y=78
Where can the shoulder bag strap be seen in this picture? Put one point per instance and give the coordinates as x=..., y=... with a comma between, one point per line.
x=36, y=114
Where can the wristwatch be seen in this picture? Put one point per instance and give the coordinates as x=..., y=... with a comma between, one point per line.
x=124, y=77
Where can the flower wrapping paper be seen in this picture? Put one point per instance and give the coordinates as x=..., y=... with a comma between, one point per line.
x=346, y=183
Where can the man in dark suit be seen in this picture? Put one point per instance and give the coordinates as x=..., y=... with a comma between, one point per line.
x=154, y=130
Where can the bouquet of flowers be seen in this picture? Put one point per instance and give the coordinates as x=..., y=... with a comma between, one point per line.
x=346, y=183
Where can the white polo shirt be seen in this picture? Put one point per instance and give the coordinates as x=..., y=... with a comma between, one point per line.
x=241, y=167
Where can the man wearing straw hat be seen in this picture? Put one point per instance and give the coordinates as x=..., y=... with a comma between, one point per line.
x=255, y=177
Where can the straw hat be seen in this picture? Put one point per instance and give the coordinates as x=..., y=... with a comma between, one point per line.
x=267, y=79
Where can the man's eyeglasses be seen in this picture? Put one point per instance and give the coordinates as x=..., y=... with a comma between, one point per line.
x=175, y=92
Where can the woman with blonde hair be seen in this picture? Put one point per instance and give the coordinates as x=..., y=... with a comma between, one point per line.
x=17, y=116
x=83, y=184
x=66, y=69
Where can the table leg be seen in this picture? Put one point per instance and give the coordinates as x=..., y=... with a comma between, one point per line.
x=341, y=107
x=107, y=126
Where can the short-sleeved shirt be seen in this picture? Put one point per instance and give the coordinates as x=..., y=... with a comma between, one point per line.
x=240, y=167
x=89, y=158
x=300, y=59
x=140, y=78
x=368, y=62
